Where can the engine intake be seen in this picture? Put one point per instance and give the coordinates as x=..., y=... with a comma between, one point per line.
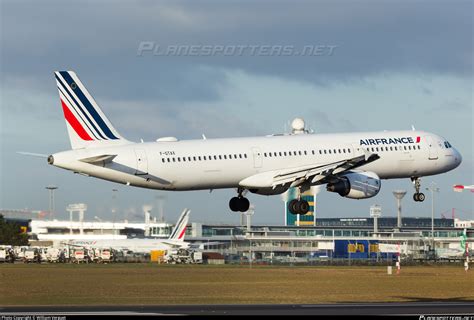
x=356, y=185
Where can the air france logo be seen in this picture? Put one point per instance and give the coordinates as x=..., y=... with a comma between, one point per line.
x=389, y=141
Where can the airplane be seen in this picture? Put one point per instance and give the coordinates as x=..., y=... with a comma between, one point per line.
x=175, y=240
x=350, y=164
x=461, y=188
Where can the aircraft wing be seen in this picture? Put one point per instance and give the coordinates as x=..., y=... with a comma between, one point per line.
x=315, y=174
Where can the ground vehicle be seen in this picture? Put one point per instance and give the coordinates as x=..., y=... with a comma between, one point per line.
x=7, y=254
x=32, y=255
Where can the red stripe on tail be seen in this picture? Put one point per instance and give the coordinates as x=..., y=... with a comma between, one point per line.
x=181, y=235
x=71, y=119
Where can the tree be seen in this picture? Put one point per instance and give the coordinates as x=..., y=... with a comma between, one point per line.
x=10, y=233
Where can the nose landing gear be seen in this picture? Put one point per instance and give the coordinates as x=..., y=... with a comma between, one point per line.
x=418, y=196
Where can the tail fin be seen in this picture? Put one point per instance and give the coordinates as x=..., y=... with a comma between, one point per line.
x=86, y=123
x=180, y=227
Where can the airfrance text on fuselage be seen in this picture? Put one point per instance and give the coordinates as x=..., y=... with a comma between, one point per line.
x=404, y=140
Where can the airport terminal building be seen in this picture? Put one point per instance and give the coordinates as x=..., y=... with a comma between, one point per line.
x=326, y=238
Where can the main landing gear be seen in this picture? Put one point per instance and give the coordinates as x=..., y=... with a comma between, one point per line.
x=239, y=203
x=298, y=205
x=418, y=196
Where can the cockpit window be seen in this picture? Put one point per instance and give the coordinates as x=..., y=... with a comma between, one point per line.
x=447, y=145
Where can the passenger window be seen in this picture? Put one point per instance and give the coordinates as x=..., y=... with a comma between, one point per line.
x=225, y=157
x=215, y=157
x=320, y=152
x=279, y=153
x=168, y=159
x=396, y=149
x=325, y=151
x=199, y=158
x=419, y=147
x=284, y=153
x=174, y=160
x=220, y=157
x=305, y=153
x=265, y=154
x=312, y=152
x=339, y=151
x=329, y=151
x=245, y=155
x=162, y=159
x=240, y=156
x=184, y=159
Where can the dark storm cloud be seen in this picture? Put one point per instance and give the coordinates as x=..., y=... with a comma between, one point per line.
x=100, y=41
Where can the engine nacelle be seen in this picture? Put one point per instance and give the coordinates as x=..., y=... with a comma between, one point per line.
x=356, y=185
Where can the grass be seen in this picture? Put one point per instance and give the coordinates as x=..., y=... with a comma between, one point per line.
x=151, y=284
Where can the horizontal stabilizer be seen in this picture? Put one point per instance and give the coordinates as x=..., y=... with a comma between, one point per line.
x=102, y=159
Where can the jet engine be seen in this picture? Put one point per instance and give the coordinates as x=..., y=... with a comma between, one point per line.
x=356, y=185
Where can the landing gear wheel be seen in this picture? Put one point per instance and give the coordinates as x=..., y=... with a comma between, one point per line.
x=293, y=206
x=244, y=204
x=298, y=207
x=239, y=204
x=303, y=207
x=234, y=204
x=421, y=197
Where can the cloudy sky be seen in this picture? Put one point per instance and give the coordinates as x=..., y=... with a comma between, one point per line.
x=376, y=65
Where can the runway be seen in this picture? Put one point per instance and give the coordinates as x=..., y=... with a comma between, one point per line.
x=404, y=308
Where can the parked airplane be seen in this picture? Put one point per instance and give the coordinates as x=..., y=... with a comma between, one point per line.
x=350, y=164
x=175, y=240
x=461, y=188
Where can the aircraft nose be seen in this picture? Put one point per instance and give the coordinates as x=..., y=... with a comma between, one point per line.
x=457, y=157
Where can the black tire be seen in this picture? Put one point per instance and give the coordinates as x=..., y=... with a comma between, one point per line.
x=303, y=207
x=421, y=197
x=244, y=204
x=234, y=204
x=415, y=197
x=293, y=206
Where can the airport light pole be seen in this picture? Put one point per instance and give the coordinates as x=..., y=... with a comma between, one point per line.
x=433, y=188
x=51, y=189
x=399, y=194
x=114, y=209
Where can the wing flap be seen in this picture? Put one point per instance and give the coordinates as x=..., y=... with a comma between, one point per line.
x=297, y=175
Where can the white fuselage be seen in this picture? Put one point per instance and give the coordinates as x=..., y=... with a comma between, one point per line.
x=223, y=163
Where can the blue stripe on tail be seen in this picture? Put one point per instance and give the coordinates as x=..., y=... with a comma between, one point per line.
x=88, y=105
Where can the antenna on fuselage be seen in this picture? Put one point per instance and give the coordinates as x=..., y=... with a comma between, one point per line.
x=413, y=128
